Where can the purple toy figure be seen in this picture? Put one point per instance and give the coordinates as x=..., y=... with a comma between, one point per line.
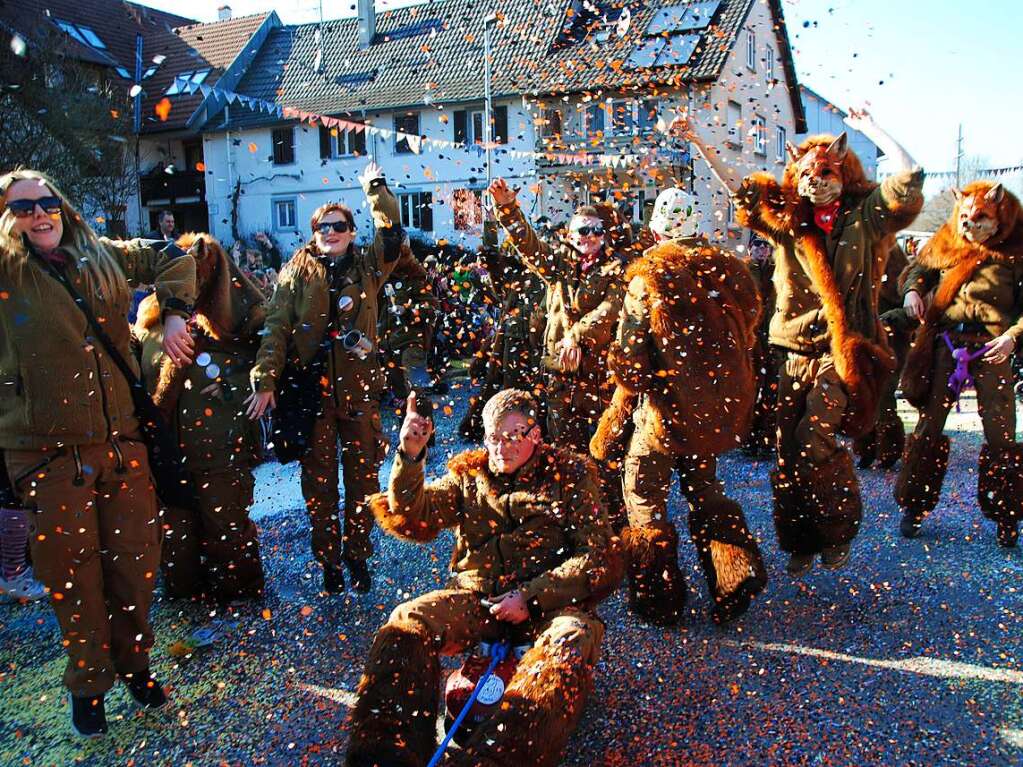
x=961, y=376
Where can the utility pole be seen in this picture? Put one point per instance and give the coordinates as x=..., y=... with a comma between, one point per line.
x=489, y=226
x=959, y=154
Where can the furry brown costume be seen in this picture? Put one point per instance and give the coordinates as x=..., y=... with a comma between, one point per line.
x=828, y=267
x=684, y=394
x=975, y=299
x=214, y=548
x=553, y=544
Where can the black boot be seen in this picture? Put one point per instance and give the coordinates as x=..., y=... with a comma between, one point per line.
x=835, y=557
x=358, y=570
x=145, y=690
x=88, y=716
x=1008, y=534
x=333, y=579
x=911, y=522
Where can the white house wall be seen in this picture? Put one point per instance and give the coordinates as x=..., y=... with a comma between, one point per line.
x=823, y=117
x=311, y=182
x=756, y=96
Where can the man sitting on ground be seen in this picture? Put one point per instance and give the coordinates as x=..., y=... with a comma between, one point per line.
x=533, y=556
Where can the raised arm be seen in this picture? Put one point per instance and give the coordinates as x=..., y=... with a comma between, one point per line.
x=538, y=256
x=862, y=121
x=412, y=509
x=594, y=567
x=726, y=175
x=383, y=207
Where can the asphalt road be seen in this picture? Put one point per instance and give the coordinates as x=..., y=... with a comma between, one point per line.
x=912, y=655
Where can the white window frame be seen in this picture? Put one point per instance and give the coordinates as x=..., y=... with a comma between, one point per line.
x=734, y=137
x=780, y=138
x=769, y=54
x=340, y=139
x=275, y=213
x=751, y=50
x=411, y=205
x=759, y=135
x=472, y=136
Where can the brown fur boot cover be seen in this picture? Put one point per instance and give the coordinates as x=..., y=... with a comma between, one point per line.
x=1000, y=483
x=923, y=470
x=865, y=449
x=728, y=554
x=657, y=588
x=838, y=508
x=394, y=719
x=793, y=521
x=539, y=712
x=891, y=441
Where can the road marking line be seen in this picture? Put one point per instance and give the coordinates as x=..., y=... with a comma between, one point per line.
x=946, y=669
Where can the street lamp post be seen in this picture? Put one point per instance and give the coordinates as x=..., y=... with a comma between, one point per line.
x=488, y=224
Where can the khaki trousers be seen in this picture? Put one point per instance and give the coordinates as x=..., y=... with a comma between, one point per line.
x=362, y=447
x=95, y=543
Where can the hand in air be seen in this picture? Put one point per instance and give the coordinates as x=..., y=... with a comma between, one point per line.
x=510, y=607
x=501, y=193
x=415, y=431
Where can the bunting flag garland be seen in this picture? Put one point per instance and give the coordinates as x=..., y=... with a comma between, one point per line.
x=415, y=143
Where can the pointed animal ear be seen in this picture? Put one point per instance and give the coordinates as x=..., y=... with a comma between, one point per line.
x=957, y=193
x=839, y=147
x=793, y=151
x=995, y=194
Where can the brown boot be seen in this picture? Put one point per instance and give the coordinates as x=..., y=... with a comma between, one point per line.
x=539, y=712
x=657, y=588
x=394, y=719
x=924, y=462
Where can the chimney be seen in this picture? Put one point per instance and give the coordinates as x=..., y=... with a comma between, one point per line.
x=224, y=13
x=367, y=23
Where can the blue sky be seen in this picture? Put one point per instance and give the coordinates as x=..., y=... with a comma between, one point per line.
x=920, y=66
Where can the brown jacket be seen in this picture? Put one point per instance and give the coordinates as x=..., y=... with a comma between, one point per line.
x=583, y=305
x=58, y=386
x=299, y=310
x=689, y=321
x=827, y=285
x=972, y=283
x=543, y=530
x=213, y=430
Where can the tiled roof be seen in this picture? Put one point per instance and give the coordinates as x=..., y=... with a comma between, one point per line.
x=444, y=63
x=191, y=48
x=114, y=22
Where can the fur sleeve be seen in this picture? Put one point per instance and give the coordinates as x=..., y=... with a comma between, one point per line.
x=760, y=206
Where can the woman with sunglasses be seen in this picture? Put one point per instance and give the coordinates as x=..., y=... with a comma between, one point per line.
x=327, y=296
x=69, y=432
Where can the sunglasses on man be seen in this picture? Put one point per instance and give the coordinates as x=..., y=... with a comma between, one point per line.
x=338, y=226
x=586, y=231
x=24, y=208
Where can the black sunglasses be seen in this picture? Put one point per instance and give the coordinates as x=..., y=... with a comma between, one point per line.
x=338, y=226
x=25, y=207
x=585, y=231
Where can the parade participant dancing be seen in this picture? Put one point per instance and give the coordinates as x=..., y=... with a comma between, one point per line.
x=685, y=391
x=974, y=265
x=326, y=298
x=831, y=229
x=71, y=435
x=584, y=279
x=533, y=555
x=211, y=550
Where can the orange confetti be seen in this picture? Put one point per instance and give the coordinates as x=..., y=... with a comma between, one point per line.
x=306, y=611
x=266, y=614
x=200, y=166
x=253, y=148
x=163, y=109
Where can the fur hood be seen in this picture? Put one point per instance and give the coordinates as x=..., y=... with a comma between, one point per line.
x=696, y=372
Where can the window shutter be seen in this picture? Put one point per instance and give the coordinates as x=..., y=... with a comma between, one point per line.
x=357, y=142
x=461, y=123
x=324, y=142
x=500, y=132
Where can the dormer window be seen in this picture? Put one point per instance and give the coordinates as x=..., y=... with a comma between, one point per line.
x=184, y=80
